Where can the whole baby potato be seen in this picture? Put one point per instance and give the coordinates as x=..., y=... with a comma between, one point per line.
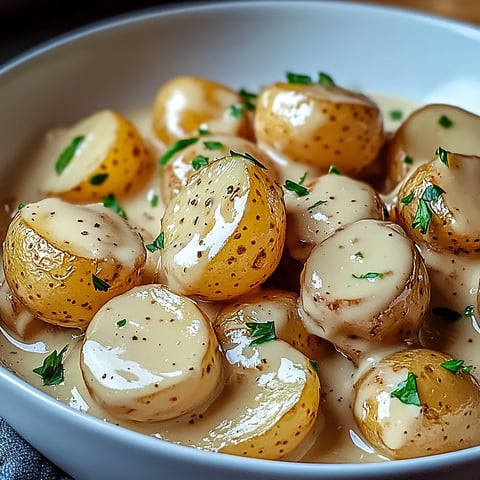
x=418, y=402
x=319, y=125
x=64, y=261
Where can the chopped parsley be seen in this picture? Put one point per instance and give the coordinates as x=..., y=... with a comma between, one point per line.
x=445, y=122
x=211, y=145
x=370, y=276
x=203, y=131
x=300, y=190
x=99, y=284
x=408, y=160
x=157, y=244
x=302, y=178
x=298, y=78
x=314, y=364
x=396, y=115
x=98, y=179
x=67, y=155
x=316, y=204
x=357, y=256
x=176, y=147
x=199, y=161
x=249, y=157
x=423, y=215
x=325, y=79
x=432, y=193
x=261, y=332
x=469, y=311
x=447, y=314
x=456, y=366
x=20, y=206
x=407, y=392
x=408, y=199
x=334, y=169
x=236, y=111
x=249, y=99
x=112, y=203
x=52, y=371
x=442, y=155
x=122, y=323
x=154, y=200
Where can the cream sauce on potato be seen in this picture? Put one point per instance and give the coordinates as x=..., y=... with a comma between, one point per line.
x=336, y=438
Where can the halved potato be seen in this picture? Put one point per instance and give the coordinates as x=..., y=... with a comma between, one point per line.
x=64, y=261
x=150, y=355
x=437, y=204
x=418, y=402
x=427, y=128
x=184, y=105
x=224, y=232
x=365, y=287
x=102, y=154
x=319, y=125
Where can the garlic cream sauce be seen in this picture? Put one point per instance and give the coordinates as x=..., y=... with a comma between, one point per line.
x=335, y=437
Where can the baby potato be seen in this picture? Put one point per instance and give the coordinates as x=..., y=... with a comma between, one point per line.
x=224, y=231
x=187, y=161
x=150, y=355
x=64, y=261
x=277, y=390
x=437, y=204
x=319, y=125
x=333, y=201
x=427, y=128
x=365, y=287
x=102, y=154
x=418, y=402
x=184, y=105
x=266, y=305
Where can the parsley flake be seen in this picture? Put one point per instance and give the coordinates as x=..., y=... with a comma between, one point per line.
x=154, y=200
x=407, y=392
x=469, y=311
x=236, y=111
x=334, y=169
x=211, y=145
x=423, y=217
x=445, y=122
x=52, y=371
x=20, y=206
x=99, y=284
x=157, y=244
x=408, y=199
x=249, y=157
x=261, y=332
x=357, y=256
x=456, y=366
x=447, y=314
x=370, y=276
x=396, y=115
x=298, y=78
x=432, y=193
x=249, y=99
x=199, y=161
x=67, y=155
x=112, y=203
x=122, y=323
x=302, y=178
x=325, y=79
x=314, y=364
x=176, y=147
x=98, y=179
x=300, y=190
x=408, y=160
x=316, y=204
x=442, y=155
x=203, y=131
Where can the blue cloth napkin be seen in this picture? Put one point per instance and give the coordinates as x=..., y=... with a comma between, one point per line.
x=20, y=461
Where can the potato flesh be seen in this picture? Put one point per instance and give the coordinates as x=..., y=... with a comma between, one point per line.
x=447, y=420
x=151, y=355
x=112, y=148
x=363, y=287
x=224, y=232
x=52, y=251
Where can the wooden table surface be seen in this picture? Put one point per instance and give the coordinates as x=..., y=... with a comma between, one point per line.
x=465, y=10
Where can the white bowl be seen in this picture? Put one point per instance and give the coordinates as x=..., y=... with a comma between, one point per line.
x=121, y=64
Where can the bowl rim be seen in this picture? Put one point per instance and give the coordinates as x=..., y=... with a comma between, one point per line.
x=192, y=455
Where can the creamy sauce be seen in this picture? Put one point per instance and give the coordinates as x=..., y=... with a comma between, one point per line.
x=336, y=437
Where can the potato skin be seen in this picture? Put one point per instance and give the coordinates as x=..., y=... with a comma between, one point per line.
x=319, y=125
x=54, y=283
x=450, y=229
x=449, y=416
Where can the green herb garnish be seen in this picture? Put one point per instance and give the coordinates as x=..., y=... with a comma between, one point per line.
x=199, y=161
x=445, y=122
x=334, y=169
x=408, y=160
x=210, y=145
x=261, y=332
x=122, y=323
x=249, y=157
x=66, y=156
x=423, y=215
x=249, y=99
x=154, y=200
x=314, y=364
x=407, y=392
x=408, y=199
x=432, y=193
x=357, y=256
x=316, y=204
x=176, y=147
x=203, y=131
x=20, y=206
x=370, y=276
x=456, y=366
x=300, y=190
x=298, y=78
x=98, y=179
x=236, y=111
x=469, y=311
x=302, y=178
x=396, y=115
x=325, y=80
x=157, y=244
x=447, y=314
x=52, y=371
x=112, y=203
x=99, y=284
x=442, y=155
